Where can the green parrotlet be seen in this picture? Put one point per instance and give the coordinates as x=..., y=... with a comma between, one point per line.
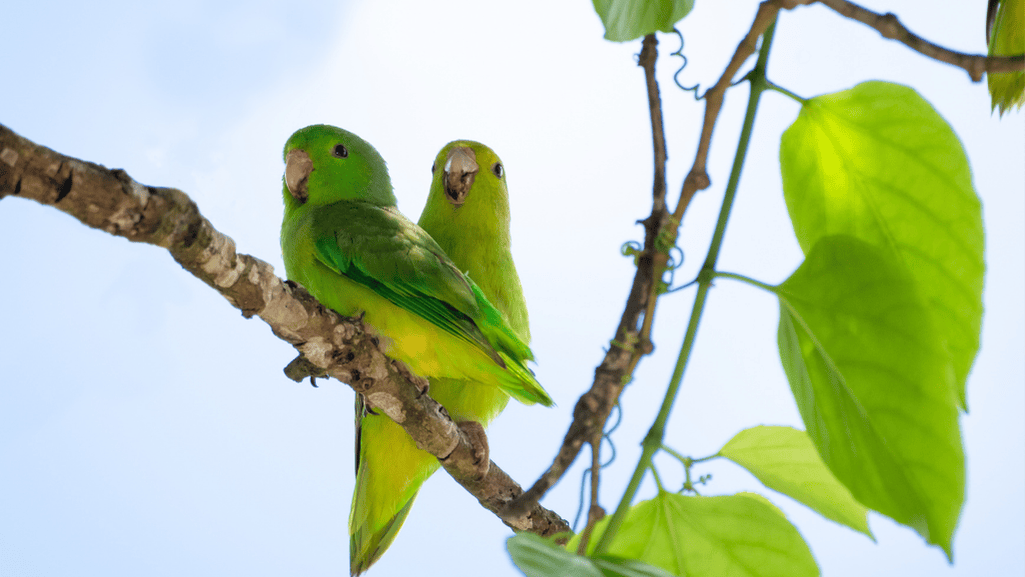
x=345, y=241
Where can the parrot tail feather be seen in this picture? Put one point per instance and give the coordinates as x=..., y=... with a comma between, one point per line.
x=366, y=548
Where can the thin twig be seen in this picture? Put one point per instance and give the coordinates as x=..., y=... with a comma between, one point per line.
x=649, y=53
x=890, y=27
x=697, y=179
x=655, y=438
x=594, y=406
x=630, y=344
x=340, y=347
x=595, y=512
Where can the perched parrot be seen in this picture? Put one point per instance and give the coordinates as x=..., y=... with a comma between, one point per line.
x=345, y=241
x=467, y=214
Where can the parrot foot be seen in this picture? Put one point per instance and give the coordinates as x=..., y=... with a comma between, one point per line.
x=301, y=367
x=479, y=441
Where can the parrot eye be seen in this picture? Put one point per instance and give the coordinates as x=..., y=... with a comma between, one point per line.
x=340, y=151
x=498, y=170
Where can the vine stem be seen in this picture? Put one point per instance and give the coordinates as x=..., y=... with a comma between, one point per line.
x=653, y=440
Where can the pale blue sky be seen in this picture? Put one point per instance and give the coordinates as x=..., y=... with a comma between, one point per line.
x=145, y=426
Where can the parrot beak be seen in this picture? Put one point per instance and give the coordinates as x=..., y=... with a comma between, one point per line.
x=298, y=167
x=460, y=170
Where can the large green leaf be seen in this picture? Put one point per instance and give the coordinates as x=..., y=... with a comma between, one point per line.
x=879, y=163
x=741, y=535
x=785, y=460
x=872, y=383
x=626, y=20
x=539, y=557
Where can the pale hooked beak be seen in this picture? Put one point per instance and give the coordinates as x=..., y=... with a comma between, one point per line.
x=460, y=170
x=298, y=167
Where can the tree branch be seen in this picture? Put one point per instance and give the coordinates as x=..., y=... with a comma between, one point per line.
x=697, y=179
x=593, y=408
x=630, y=343
x=595, y=512
x=654, y=440
x=648, y=56
x=890, y=27
x=340, y=347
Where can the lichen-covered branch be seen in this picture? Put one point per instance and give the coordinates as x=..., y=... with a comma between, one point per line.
x=337, y=346
x=890, y=27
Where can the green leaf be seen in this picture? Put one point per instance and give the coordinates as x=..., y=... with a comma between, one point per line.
x=785, y=460
x=740, y=535
x=879, y=163
x=872, y=383
x=536, y=556
x=1007, y=89
x=626, y=20
x=612, y=566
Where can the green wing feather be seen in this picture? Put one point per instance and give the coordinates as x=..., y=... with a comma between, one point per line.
x=382, y=250
x=400, y=293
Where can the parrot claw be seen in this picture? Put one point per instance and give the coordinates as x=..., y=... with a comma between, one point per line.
x=301, y=367
x=479, y=441
x=365, y=406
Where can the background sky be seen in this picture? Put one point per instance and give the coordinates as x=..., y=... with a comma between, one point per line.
x=146, y=427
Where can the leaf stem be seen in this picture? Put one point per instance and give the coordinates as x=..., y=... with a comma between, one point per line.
x=786, y=92
x=658, y=479
x=746, y=279
x=653, y=440
x=703, y=459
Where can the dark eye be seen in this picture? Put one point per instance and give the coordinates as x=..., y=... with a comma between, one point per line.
x=498, y=170
x=434, y=166
x=340, y=151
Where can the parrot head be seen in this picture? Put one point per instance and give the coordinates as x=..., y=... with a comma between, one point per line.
x=325, y=164
x=463, y=162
